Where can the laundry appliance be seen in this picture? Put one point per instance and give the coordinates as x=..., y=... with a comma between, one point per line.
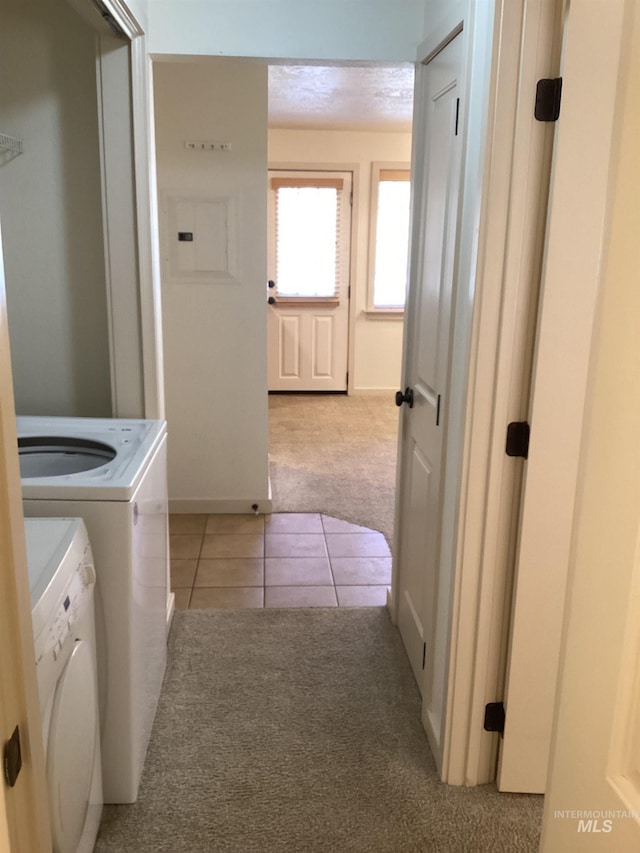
x=62, y=581
x=113, y=474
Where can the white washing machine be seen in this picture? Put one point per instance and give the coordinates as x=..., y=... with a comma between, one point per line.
x=113, y=474
x=62, y=580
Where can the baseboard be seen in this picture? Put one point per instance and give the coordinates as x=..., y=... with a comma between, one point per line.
x=361, y=392
x=188, y=506
x=171, y=606
x=390, y=605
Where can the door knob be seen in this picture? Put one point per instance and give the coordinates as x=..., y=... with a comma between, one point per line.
x=271, y=300
x=407, y=397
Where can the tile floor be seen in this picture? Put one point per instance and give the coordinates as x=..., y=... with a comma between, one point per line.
x=279, y=560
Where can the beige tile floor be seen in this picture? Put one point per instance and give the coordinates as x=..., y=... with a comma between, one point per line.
x=280, y=560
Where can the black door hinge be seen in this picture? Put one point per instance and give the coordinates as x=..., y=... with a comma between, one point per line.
x=424, y=654
x=494, y=717
x=548, y=97
x=518, y=433
x=457, y=115
x=12, y=758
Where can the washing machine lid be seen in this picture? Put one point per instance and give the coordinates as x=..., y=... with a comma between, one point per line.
x=55, y=548
x=88, y=459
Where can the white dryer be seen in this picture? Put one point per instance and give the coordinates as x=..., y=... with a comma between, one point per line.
x=113, y=474
x=62, y=580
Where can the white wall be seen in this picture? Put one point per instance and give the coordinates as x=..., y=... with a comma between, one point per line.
x=215, y=329
x=376, y=344
x=51, y=211
x=385, y=30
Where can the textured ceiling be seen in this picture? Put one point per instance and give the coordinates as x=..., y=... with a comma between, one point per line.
x=345, y=97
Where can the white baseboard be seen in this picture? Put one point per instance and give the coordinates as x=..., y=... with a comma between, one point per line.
x=184, y=506
x=390, y=606
x=171, y=606
x=359, y=392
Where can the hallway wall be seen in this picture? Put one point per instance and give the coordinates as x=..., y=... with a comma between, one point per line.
x=383, y=30
x=215, y=320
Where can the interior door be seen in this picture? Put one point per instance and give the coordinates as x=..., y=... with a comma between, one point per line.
x=569, y=295
x=308, y=268
x=427, y=368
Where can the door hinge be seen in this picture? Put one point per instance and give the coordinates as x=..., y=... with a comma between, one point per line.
x=548, y=97
x=438, y=411
x=424, y=654
x=457, y=115
x=518, y=433
x=12, y=758
x=494, y=717
x=349, y=292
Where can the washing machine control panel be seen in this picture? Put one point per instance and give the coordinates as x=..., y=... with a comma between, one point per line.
x=70, y=608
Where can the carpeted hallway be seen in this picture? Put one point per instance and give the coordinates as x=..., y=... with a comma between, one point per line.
x=335, y=455
x=286, y=731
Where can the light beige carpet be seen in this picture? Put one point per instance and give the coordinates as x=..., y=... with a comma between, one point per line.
x=298, y=731
x=335, y=454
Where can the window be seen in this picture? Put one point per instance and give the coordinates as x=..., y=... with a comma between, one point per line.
x=389, y=237
x=307, y=237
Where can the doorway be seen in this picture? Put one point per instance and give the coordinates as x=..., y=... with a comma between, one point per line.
x=336, y=453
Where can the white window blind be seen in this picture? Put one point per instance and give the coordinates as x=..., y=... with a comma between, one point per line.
x=307, y=236
x=391, y=238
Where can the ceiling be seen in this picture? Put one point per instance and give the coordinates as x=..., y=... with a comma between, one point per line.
x=341, y=97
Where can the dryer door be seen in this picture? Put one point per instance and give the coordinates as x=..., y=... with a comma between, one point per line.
x=72, y=748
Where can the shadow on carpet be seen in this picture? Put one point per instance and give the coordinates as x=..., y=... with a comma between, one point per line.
x=299, y=730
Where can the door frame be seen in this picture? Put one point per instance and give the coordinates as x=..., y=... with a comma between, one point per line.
x=510, y=261
x=354, y=168
x=351, y=316
x=506, y=169
x=130, y=208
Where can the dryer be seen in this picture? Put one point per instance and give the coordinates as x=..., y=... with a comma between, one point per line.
x=112, y=473
x=62, y=579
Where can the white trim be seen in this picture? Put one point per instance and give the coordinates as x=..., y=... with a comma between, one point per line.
x=510, y=253
x=147, y=225
x=354, y=168
x=113, y=72
x=444, y=31
x=171, y=608
x=224, y=506
x=124, y=17
x=377, y=166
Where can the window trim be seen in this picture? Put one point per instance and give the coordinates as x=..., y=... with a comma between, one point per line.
x=377, y=168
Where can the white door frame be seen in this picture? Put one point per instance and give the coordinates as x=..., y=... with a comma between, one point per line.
x=508, y=155
x=510, y=258
x=127, y=153
x=327, y=168
x=354, y=168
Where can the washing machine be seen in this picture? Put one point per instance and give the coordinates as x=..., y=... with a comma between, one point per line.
x=62, y=580
x=112, y=473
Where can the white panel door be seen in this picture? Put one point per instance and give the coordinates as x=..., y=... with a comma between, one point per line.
x=569, y=293
x=428, y=361
x=308, y=334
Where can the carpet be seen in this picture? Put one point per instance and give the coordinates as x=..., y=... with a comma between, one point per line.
x=286, y=731
x=335, y=454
